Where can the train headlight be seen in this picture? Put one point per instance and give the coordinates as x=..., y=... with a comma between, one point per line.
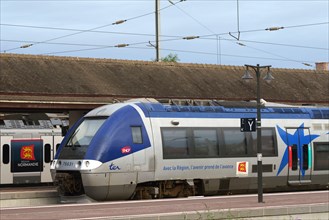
x=77, y=165
x=58, y=164
x=87, y=163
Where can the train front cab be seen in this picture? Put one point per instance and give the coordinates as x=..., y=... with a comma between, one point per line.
x=128, y=143
x=114, y=149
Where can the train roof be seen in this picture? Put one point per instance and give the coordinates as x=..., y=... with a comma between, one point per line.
x=231, y=111
x=216, y=109
x=30, y=121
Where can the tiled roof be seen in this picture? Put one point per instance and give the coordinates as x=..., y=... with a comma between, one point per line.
x=67, y=79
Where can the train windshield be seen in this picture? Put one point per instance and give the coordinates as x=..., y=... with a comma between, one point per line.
x=77, y=145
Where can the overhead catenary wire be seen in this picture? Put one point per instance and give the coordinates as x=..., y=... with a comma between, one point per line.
x=269, y=43
x=201, y=37
x=209, y=37
x=239, y=32
x=175, y=37
x=232, y=55
x=90, y=31
x=276, y=28
x=144, y=34
x=108, y=46
x=175, y=50
x=189, y=51
x=218, y=46
x=98, y=27
x=265, y=29
x=139, y=0
x=193, y=18
x=274, y=54
x=179, y=38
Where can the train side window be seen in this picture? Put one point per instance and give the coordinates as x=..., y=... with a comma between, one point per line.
x=57, y=146
x=47, y=153
x=175, y=143
x=136, y=132
x=5, y=153
x=269, y=146
x=321, y=156
x=235, y=142
x=205, y=143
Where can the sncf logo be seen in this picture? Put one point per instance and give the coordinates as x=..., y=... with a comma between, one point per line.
x=126, y=150
x=27, y=152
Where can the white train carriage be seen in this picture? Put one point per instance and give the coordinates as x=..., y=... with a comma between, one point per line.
x=151, y=150
x=27, y=151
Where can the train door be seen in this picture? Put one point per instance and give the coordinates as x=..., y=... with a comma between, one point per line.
x=6, y=177
x=48, y=143
x=299, y=156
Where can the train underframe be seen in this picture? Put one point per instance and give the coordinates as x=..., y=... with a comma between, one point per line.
x=167, y=189
x=70, y=184
x=199, y=187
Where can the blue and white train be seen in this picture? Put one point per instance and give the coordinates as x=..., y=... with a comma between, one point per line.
x=145, y=149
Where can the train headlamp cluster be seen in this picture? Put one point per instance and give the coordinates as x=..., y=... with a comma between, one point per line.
x=58, y=164
x=75, y=164
x=78, y=164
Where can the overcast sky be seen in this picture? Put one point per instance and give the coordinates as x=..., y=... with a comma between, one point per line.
x=84, y=28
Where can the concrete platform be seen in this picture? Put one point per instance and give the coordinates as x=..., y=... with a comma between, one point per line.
x=28, y=196
x=290, y=206
x=294, y=212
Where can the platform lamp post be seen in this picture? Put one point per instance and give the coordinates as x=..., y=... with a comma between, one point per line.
x=247, y=77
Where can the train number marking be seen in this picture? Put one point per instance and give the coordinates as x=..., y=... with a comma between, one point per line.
x=67, y=163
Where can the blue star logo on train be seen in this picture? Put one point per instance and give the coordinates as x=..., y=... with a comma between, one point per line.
x=298, y=138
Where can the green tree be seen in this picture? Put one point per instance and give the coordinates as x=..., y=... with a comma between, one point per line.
x=170, y=58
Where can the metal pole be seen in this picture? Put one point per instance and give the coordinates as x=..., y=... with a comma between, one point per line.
x=259, y=140
x=219, y=52
x=259, y=133
x=157, y=30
